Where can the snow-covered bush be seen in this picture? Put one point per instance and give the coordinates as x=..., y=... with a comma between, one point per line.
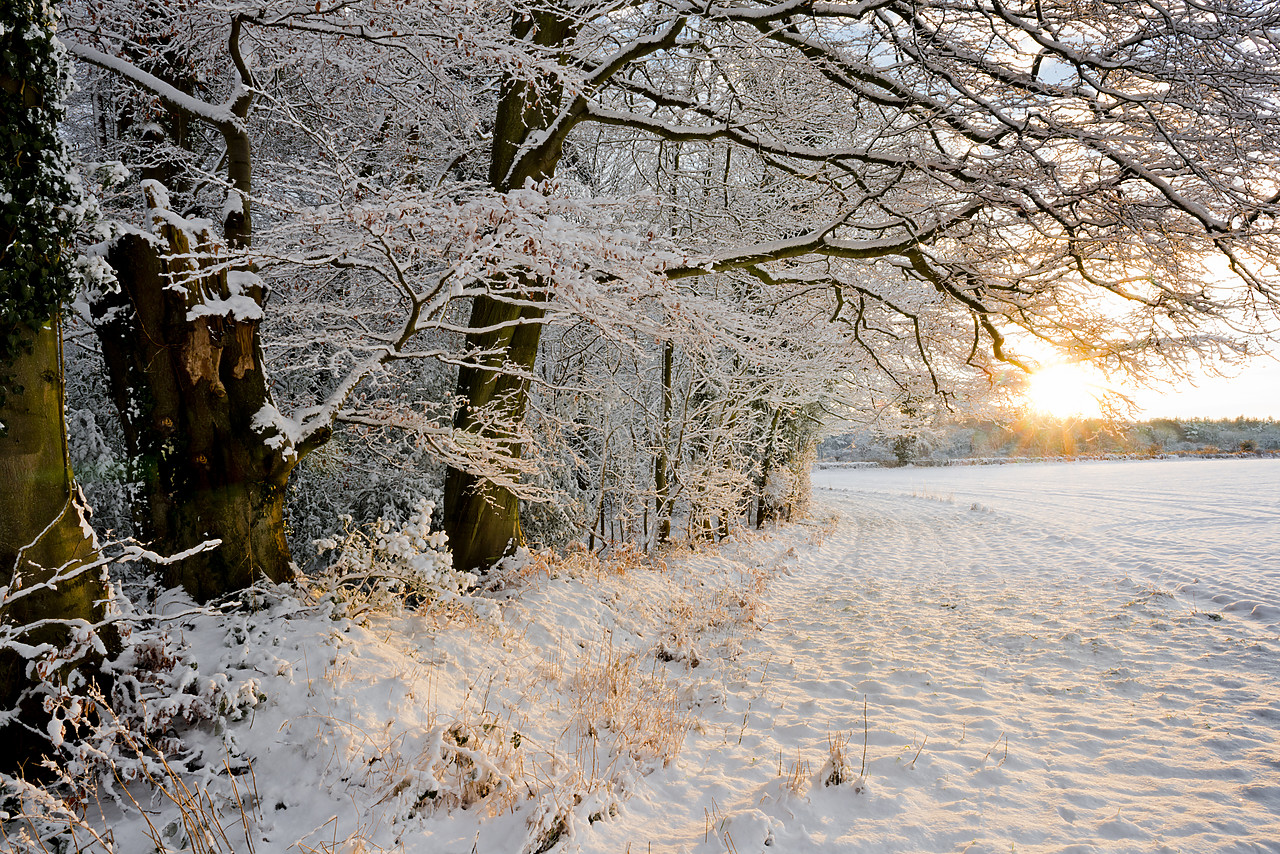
x=389, y=564
x=801, y=466
x=363, y=476
x=100, y=742
x=159, y=690
x=464, y=764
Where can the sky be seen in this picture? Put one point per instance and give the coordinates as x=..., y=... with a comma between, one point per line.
x=1252, y=391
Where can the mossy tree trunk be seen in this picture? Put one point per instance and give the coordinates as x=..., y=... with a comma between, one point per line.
x=43, y=535
x=532, y=121
x=189, y=384
x=482, y=518
x=42, y=529
x=180, y=337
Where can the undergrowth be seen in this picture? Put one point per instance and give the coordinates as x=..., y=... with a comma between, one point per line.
x=161, y=746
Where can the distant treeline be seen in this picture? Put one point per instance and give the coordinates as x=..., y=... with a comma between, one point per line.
x=1042, y=437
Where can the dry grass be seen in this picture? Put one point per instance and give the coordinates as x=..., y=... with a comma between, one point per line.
x=36, y=821
x=205, y=821
x=605, y=715
x=797, y=777
x=838, y=768
x=617, y=717
x=465, y=764
x=640, y=710
x=580, y=562
x=820, y=529
x=355, y=842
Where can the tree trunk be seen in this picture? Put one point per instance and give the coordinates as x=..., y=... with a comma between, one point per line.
x=180, y=339
x=602, y=502
x=42, y=529
x=482, y=518
x=662, y=460
x=765, y=511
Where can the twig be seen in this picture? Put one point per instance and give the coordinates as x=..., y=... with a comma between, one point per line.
x=997, y=744
x=918, y=749
x=866, y=732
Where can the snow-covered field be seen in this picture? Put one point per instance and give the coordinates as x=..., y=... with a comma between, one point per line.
x=1172, y=521
x=1047, y=658
x=1053, y=658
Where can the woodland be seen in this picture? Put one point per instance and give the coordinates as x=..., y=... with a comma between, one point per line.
x=497, y=276
x=1036, y=436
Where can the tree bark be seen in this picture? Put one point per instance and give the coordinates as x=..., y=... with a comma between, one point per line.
x=662, y=459
x=765, y=511
x=188, y=386
x=42, y=529
x=481, y=518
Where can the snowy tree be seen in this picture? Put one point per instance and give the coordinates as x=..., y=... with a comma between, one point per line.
x=346, y=213
x=180, y=326
x=954, y=175
x=940, y=182
x=46, y=595
x=181, y=329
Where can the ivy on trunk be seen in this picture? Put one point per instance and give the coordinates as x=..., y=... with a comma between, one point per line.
x=43, y=532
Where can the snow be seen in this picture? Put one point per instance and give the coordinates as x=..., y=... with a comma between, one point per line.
x=237, y=306
x=1206, y=527
x=197, y=229
x=283, y=433
x=233, y=205
x=1042, y=667
x=1042, y=658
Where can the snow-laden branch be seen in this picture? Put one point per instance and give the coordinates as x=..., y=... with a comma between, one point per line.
x=129, y=553
x=821, y=242
x=219, y=115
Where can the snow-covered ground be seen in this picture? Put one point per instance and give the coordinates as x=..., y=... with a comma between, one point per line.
x=1048, y=658
x=1053, y=658
x=1172, y=521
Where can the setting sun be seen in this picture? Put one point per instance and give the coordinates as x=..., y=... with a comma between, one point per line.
x=1063, y=390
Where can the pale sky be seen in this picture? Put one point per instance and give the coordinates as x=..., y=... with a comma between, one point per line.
x=1253, y=391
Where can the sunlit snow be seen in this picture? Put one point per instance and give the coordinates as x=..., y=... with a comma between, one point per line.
x=1053, y=658
x=1039, y=658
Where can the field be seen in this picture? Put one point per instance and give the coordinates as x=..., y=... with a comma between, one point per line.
x=1052, y=658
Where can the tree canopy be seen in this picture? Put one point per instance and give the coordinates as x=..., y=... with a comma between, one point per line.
x=623, y=253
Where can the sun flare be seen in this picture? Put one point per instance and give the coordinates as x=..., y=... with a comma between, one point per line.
x=1064, y=390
